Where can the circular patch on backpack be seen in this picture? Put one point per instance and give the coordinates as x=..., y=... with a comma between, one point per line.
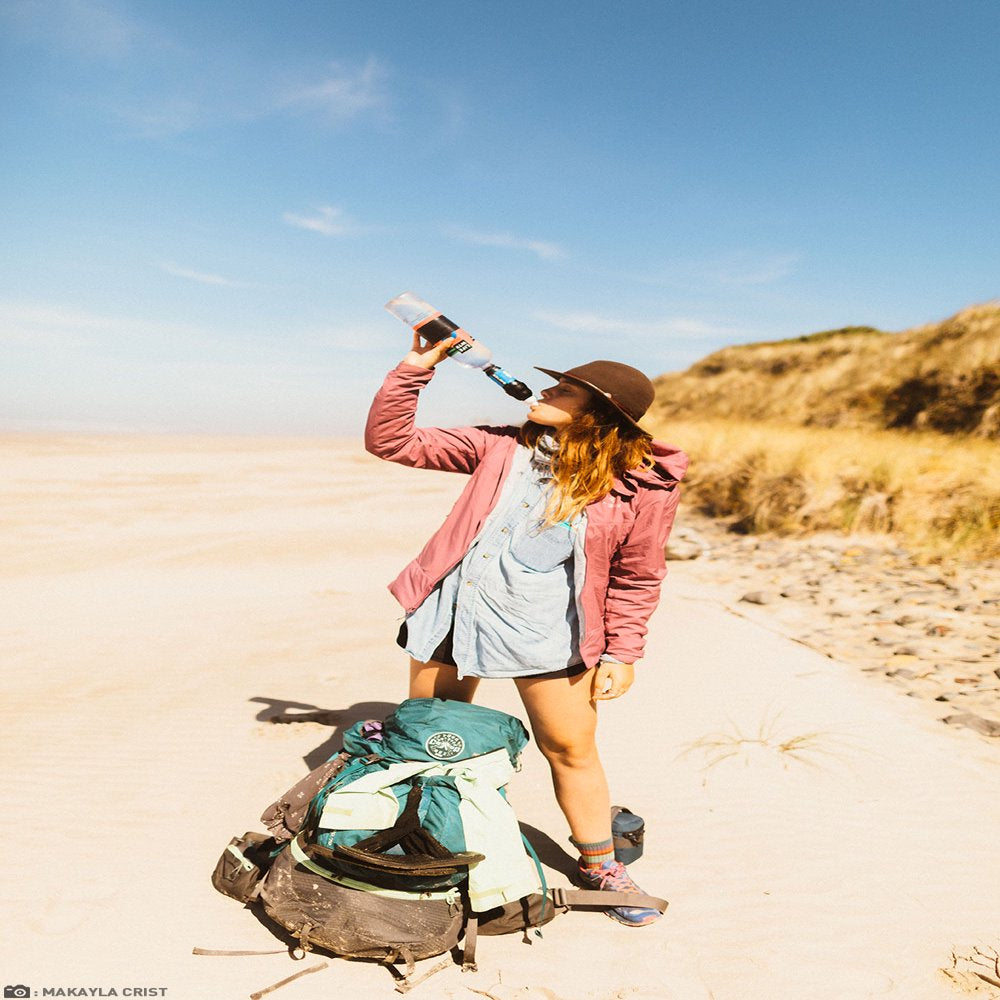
x=444, y=745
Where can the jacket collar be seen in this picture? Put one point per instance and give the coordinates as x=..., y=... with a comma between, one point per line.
x=669, y=466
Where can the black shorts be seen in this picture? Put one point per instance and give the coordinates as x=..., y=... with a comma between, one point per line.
x=442, y=654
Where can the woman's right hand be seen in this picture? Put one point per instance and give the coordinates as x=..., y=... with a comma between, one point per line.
x=425, y=355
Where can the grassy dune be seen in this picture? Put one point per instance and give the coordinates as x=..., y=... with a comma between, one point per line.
x=943, y=377
x=814, y=434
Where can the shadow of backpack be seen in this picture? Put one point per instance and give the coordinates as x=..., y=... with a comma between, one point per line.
x=399, y=893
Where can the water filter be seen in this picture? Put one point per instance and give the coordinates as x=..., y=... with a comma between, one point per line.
x=465, y=350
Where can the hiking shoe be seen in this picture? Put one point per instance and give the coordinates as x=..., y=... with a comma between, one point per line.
x=613, y=877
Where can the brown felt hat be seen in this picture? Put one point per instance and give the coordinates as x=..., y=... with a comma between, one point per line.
x=625, y=388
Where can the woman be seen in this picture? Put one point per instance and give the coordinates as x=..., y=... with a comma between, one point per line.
x=546, y=570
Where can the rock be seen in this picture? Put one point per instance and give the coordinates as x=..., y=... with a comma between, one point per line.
x=917, y=597
x=938, y=628
x=757, y=597
x=987, y=727
x=883, y=640
x=685, y=544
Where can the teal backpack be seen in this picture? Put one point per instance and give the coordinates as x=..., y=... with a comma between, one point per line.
x=446, y=735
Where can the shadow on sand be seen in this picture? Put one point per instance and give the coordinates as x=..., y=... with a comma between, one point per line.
x=551, y=854
x=281, y=712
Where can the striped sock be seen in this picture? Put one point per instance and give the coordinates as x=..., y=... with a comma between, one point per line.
x=595, y=854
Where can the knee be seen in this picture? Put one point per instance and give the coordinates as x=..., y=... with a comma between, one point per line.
x=570, y=754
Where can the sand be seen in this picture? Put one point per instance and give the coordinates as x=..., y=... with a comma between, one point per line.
x=819, y=836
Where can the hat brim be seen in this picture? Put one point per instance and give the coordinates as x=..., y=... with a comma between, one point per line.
x=600, y=393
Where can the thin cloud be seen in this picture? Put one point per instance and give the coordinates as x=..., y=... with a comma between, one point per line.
x=163, y=119
x=97, y=30
x=59, y=326
x=42, y=324
x=343, y=94
x=185, y=89
x=507, y=241
x=200, y=276
x=743, y=271
x=738, y=269
x=328, y=220
x=679, y=327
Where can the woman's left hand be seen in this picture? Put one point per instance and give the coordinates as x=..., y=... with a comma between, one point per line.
x=612, y=680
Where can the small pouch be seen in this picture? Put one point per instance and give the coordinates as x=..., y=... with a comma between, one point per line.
x=243, y=865
x=627, y=831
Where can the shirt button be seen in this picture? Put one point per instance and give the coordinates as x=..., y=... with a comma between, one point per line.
x=504, y=530
x=525, y=505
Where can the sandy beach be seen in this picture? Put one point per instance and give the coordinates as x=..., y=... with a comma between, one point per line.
x=820, y=836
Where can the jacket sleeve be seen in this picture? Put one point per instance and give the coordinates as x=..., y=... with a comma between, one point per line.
x=636, y=575
x=391, y=432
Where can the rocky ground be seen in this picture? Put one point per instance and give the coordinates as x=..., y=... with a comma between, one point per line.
x=932, y=631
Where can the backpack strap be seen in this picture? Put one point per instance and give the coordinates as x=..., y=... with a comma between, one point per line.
x=299, y=852
x=415, y=865
x=544, y=886
x=319, y=967
x=605, y=898
x=469, y=949
x=423, y=854
x=406, y=832
x=223, y=953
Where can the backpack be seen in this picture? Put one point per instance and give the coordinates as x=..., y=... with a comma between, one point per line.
x=414, y=843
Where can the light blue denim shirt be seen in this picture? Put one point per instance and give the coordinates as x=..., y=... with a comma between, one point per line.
x=512, y=596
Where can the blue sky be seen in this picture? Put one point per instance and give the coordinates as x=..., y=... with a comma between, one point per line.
x=206, y=204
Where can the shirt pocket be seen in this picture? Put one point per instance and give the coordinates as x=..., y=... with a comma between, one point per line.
x=542, y=548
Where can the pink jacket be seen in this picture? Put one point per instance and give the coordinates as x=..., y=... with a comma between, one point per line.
x=626, y=530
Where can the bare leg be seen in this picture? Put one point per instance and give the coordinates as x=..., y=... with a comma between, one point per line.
x=564, y=722
x=440, y=680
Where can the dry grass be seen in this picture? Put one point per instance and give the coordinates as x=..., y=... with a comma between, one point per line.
x=804, y=748
x=939, y=495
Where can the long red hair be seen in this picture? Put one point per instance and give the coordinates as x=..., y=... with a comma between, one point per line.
x=594, y=451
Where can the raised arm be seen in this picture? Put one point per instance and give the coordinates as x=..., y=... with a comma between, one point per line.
x=391, y=431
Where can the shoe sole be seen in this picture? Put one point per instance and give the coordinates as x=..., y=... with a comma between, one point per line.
x=633, y=923
x=583, y=883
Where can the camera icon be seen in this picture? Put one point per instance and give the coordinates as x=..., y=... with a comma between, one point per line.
x=15, y=992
